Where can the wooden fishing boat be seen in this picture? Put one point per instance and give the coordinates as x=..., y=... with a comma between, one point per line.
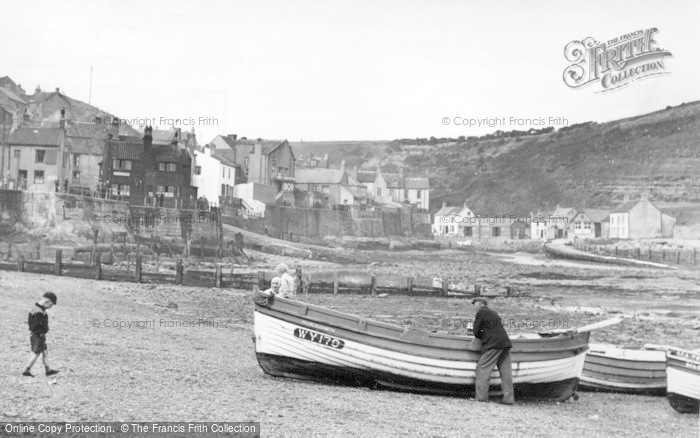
x=683, y=372
x=299, y=340
x=569, y=252
x=633, y=371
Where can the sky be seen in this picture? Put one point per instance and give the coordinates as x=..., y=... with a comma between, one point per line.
x=342, y=70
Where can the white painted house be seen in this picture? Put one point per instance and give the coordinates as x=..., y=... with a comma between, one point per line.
x=215, y=173
x=454, y=221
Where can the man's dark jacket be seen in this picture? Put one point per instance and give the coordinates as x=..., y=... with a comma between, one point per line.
x=489, y=328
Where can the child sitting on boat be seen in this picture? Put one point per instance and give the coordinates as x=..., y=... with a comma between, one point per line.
x=287, y=286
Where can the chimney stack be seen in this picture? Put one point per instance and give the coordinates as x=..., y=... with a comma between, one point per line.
x=62, y=123
x=37, y=90
x=342, y=165
x=233, y=137
x=444, y=204
x=58, y=90
x=400, y=172
x=465, y=204
x=644, y=196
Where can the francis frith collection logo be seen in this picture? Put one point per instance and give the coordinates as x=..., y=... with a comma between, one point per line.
x=615, y=63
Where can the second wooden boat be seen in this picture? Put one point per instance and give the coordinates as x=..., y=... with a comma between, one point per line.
x=633, y=371
x=683, y=371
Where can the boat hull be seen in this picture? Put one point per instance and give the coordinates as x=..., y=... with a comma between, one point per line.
x=296, y=340
x=683, y=370
x=611, y=369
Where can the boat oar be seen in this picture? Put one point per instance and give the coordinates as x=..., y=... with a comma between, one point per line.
x=585, y=328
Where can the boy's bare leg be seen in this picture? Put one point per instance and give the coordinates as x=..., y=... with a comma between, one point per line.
x=32, y=361
x=49, y=371
x=45, y=358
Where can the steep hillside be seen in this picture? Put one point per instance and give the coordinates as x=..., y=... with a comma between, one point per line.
x=590, y=165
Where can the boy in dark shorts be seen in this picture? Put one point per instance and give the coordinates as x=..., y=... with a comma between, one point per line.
x=38, y=326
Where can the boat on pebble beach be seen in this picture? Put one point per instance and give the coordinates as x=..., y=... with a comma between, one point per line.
x=633, y=371
x=298, y=340
x=683, y=373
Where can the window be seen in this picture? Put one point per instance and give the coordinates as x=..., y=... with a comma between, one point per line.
x=121, y=164
x=577, y=225
x=76, y=160
x=197, y=170
x=121, y=189
x=229, y=172
x=418, y=192
x=76, y=176
x=38, y=177
x=379, y=191
x=587, y=226
x=246, y=171
x=396, y=183
x=223, y=189
x=167, y=167
x=314, y=163
x=496, y=231
x=467, y=230
x=167, y=191
x=223, y=173
x=18, y=153
x=326, y=189
x=246, y=161
x=40, y=155
x=391, y=192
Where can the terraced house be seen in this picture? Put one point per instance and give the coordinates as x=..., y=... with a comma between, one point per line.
x=141, y=171
x=395, y=188
x=215, y=173
x=36, y=158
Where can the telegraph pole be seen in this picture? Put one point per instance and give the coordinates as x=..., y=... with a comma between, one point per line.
x=90, y=95
x=2, y=152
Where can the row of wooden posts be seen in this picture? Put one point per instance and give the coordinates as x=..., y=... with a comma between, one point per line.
x=313, y=282
x=668, y=256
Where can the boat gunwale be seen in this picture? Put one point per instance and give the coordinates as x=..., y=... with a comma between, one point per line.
x=682, y=359
x=578, y=346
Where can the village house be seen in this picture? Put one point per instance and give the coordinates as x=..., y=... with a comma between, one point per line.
x=367, y=179
x=266, y=162
x=454, y=221
x=7, y=83
x=215, y=173
x=395, y=188
x=316, y=161
x=142, y=171
x=590, y=223
x=560, y=220
x=539, y=226
x=46, y=106
x=255, y=197
x=640, y=219
x=326, y=187
x=85, y=144
x=500, y=228
x=36, y=158
x=12, y=103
